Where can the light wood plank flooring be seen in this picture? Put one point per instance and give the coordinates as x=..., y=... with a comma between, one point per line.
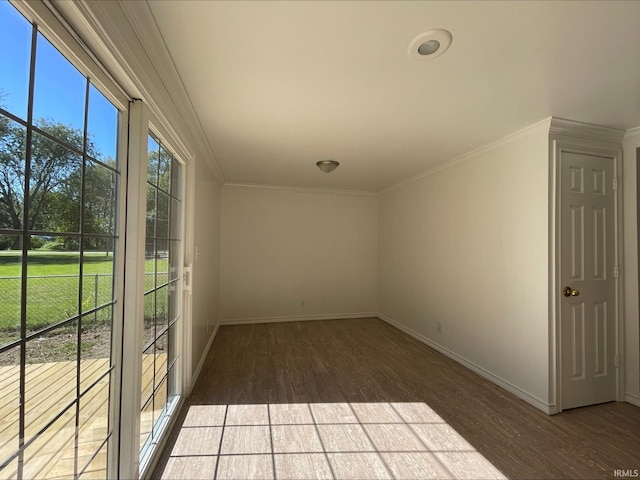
x=50, y=387
x=360, y=399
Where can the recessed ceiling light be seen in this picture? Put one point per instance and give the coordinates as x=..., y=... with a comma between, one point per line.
x=430, y=44
x=327, y=166
x=429, y=47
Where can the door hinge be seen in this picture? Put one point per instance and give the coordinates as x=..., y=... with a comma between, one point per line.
x=616, y=271
x=616, y=361
x=615, y=183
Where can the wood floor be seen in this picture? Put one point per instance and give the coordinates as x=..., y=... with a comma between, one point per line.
x=361, y=399
x=51, y=386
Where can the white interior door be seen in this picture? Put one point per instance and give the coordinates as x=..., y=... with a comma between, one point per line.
x=588, y=292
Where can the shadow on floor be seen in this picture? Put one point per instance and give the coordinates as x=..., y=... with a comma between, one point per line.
x=361, y=399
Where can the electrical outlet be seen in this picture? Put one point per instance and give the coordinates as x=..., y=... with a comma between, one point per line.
x=302, y=303
x=439, y=327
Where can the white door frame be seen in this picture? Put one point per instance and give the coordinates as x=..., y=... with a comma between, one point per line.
x=141, y=122
x=574, y=137
x=172, y=142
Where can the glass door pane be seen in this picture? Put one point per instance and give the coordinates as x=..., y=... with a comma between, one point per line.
x=162, y=291
x=59, y=200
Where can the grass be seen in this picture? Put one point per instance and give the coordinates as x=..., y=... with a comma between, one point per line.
x=48, y=263
x=52, y=288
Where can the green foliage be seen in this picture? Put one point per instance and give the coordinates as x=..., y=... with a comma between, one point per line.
x=53, y=245
x=50, y=165
x=37, y=242
x=12, y=144
x=55, y=195
x=7, y=242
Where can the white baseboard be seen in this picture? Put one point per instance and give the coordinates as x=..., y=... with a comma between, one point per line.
x=553, y=409
x=303, y=318
x=632, y=399
x=196, y=374
x=511, y=388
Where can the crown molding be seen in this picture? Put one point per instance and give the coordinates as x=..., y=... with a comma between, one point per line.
x=125, y=37
x=536, y=128
x=553, y=126
x=100, y=25
x=324, y=191
x=144, y=25
x=631, y=133
x=570, y=128
x=72, y=44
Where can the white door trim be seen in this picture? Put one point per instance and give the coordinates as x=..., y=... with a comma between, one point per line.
x=184, y=334
x=612, y=149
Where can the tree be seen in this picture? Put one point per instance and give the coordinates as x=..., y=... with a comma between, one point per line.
x=99, y=202
x=5, y=218
x=159, y=173
x=54, y=171
x=12, y=143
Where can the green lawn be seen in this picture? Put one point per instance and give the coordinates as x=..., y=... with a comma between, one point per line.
x=54, y=263
x=52, y=288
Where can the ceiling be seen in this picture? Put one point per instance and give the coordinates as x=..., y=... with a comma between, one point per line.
x=278, y=86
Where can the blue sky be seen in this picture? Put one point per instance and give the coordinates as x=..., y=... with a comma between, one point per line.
x=59, y=92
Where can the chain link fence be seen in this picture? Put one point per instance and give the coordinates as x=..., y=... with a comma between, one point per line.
x=53, y=298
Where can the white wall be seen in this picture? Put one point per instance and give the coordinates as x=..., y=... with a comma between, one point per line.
x=467, y=246
x=283, y=247
x=206, y=262
x=630, y=267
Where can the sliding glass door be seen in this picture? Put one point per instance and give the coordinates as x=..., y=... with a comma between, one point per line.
x=88, y=378
x=162, y=296
x=60, y=186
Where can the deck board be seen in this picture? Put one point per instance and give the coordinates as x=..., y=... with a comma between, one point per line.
x=50, y=387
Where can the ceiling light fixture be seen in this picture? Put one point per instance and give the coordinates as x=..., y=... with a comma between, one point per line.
x=327, y=166
x=430, y=44
x=429, y=47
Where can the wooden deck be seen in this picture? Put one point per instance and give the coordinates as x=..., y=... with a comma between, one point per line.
x=50, y=387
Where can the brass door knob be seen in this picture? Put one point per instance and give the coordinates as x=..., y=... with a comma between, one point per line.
x=570, y=292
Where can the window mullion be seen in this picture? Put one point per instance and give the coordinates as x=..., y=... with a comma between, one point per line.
x=25, y=251
x=76, y=466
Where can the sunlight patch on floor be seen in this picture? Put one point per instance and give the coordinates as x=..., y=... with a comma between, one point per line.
x=322, y=441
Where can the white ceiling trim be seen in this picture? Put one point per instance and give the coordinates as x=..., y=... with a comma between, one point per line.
x=325, y=191
x=91, y=34
x=143, y=23
x=113, y=34
x=633, y=132
x=279, y=83
x=98, y=73
x=570, y=128
x=537, y=127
